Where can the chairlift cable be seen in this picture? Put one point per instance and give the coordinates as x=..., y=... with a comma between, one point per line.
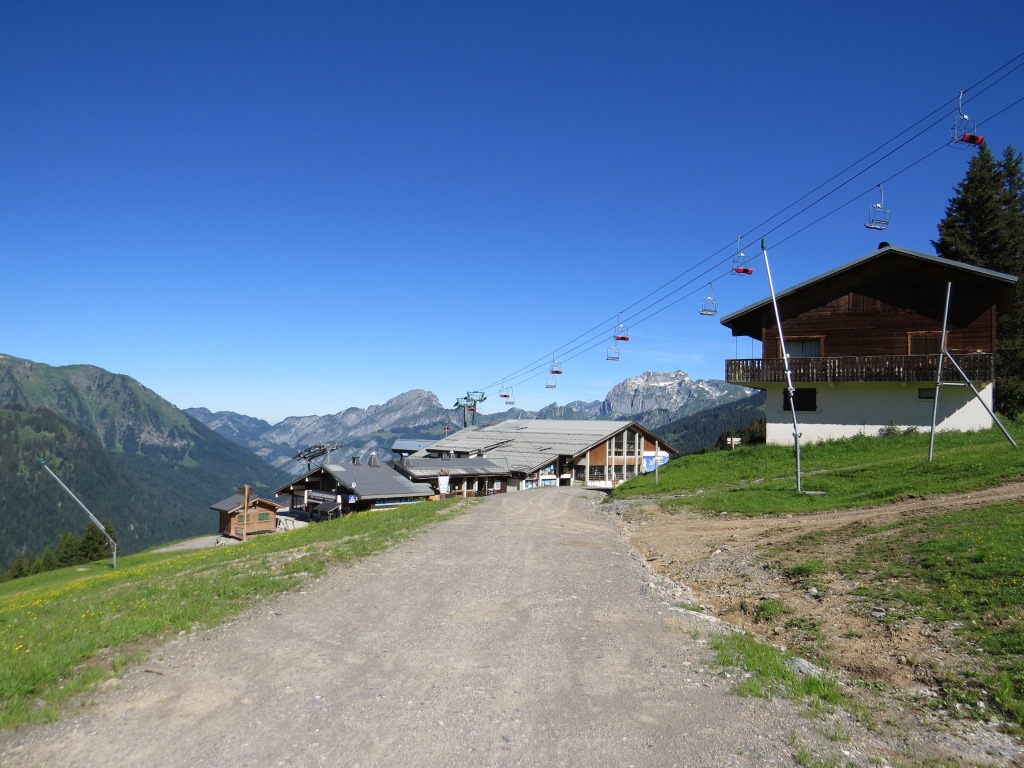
x=642, y=313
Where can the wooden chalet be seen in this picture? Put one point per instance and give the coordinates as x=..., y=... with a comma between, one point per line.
x=864, y=342
x=542, y=452
x=332, y=490
x=259, y=517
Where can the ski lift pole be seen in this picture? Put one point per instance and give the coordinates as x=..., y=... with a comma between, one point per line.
x=97, y=523
x=785, y=363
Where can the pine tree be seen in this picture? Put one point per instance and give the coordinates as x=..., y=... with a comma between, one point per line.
x=94, y=545
x=69, y=549
x=984, y=226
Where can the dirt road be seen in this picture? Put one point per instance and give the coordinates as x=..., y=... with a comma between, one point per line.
x=521, y=633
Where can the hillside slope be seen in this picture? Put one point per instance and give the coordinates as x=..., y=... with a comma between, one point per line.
x=163, y=468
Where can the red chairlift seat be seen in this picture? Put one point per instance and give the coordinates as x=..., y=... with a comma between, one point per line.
x=972, y=138
x=743, y=271
x=621, y=338
x=556, y=370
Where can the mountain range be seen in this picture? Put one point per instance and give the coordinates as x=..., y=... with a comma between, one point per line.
x=153, y=470
x=652, y=398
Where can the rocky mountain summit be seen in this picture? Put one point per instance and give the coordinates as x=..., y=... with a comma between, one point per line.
x=651, y=398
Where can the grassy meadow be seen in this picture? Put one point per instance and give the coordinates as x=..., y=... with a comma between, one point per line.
x=62, y=632
x=961, y=570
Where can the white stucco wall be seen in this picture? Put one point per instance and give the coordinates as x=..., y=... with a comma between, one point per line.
x=863, y=408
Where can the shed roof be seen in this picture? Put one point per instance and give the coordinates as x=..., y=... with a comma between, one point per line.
x=876, y=265
x=235, y=502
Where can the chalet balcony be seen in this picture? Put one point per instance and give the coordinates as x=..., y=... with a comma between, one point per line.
x=979, y=366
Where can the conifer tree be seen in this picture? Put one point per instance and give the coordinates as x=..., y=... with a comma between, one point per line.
x=69, y=549
x=984, y=226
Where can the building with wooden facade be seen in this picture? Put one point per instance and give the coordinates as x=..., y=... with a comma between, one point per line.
x=259, y=517
x=864, y=342
x=332, y=490
x=543, y=452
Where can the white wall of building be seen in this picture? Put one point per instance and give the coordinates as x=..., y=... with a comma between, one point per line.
x=863, y=408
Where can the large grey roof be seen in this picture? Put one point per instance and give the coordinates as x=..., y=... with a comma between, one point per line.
x=528, y=444
x=420, y=467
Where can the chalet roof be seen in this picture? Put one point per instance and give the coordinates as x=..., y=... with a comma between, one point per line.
x=365, y=481
x=426, y=467
x=525, y=445
x=888, y=264
x=235, y=502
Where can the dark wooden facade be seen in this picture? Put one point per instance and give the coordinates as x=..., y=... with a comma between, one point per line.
x=877, y=319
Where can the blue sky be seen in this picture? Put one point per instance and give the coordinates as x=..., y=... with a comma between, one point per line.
x=291, y=209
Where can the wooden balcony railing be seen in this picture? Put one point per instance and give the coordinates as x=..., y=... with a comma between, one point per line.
x=979, y=366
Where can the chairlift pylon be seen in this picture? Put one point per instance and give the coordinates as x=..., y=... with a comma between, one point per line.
x=964, y=130
x=878, y=214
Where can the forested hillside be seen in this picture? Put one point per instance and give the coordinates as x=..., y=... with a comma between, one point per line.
x=701, y=431
x=126, y=452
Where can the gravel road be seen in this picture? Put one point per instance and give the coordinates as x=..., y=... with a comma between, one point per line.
x=522, y=633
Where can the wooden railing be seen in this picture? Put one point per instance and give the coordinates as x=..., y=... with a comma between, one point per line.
x=979, y=366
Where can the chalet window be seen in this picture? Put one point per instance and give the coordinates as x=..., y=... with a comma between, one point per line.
x=263, y=517
x=861, y=303
x=927, y=343
x=805, y=399
x=618, y=444
x=804, y=347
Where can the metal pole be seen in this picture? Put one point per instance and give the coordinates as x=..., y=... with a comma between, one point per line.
x=938, y=375
x=97, y=523
x=785, y=362
x=657, y=455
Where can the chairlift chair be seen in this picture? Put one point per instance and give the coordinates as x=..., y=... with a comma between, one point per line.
x=621, y=332
x=613, y=353
x=878, y=214
x=551, y=383
x=740, y=261
x=709, y=307
x=964, y=128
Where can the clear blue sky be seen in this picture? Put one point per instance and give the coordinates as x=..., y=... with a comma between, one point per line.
x=294, y=208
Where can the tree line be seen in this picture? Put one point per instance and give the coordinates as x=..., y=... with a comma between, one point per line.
x=72, y=549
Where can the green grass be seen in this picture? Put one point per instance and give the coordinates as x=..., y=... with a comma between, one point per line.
x=61, y=632
x=768, y=674
x=960, y=570
x=963, y=569
x=854, y=472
